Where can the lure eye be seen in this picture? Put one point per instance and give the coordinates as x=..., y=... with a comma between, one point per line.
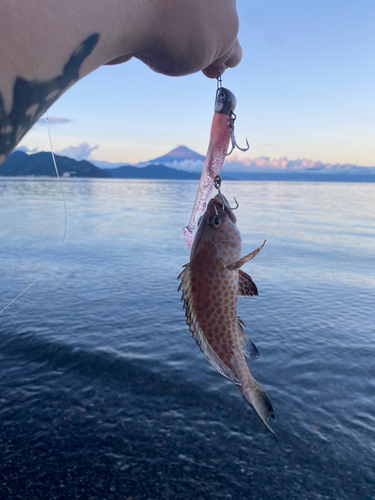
x=215, y=222
x=221, y=97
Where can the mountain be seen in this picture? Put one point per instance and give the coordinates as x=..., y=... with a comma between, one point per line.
x=41, y=164
x=151, y=172
x=20, y=163
x=179, y=154
x=183, y=163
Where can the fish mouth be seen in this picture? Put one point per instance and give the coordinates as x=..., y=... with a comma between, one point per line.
x=219, y=205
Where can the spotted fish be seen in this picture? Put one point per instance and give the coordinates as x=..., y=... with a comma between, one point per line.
x=210, y=284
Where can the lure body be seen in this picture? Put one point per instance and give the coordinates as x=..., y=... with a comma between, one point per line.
x=210, y=284
x=220, y=136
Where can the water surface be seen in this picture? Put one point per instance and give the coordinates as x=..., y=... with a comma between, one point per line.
x=104, y=393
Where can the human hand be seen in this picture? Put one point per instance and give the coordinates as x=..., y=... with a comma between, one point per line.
x=185, y=36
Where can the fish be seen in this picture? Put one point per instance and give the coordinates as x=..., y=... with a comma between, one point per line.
x=210, y=285
x=220, y=135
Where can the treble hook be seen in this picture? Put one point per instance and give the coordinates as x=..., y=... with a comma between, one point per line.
x=228, y=206
x=233, y=138
x=234, y=208
x=217, y=182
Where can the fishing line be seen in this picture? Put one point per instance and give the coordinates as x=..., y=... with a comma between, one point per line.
x=65, y=223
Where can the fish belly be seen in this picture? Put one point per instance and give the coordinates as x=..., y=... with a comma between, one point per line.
x=215, y=291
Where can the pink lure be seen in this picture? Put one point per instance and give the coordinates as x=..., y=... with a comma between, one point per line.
x=217, y=150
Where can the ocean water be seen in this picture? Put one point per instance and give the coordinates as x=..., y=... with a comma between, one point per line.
x=105, y=395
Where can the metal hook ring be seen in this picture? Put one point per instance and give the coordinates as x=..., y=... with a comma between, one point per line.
x=218, y=79
x=217, y=182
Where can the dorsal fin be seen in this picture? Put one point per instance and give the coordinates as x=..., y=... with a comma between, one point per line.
x=196, y=330
x=246, y=286
x=249, y=348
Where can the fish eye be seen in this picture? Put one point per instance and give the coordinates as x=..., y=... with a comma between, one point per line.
x=215, y=222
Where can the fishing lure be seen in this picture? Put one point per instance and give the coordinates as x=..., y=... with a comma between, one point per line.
x=222, y=131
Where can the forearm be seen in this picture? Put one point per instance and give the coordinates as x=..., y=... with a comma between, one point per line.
x=48, y=45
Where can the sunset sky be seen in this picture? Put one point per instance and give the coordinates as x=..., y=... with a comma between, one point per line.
x=305, y=89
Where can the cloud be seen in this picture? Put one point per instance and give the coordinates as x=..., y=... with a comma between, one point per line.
x=239, y=164
x=81, y=152
x=188, y=165
x=108, y=164
x=53, y=120
x=25, y=149
x=266, y=164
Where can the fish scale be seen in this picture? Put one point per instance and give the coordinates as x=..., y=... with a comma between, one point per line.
x=210, y=285
x=215, y=309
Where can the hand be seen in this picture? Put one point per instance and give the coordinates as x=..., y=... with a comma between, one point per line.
x=185, y=36
x=48, y=48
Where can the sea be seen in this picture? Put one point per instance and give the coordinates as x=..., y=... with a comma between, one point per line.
x=105, y=395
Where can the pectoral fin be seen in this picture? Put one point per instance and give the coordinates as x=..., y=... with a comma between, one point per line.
x=246, y=286
x=245, y=259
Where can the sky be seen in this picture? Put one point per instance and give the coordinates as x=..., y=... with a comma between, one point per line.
x=305, y=90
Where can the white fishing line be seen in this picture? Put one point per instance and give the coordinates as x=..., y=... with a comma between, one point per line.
x=65, y=224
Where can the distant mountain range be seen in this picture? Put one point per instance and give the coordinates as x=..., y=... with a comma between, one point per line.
x=41, y=164
x=151, y=172
x=184, y=164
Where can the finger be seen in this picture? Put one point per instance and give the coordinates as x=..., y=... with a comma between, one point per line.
x=231, y=60
x=235, y=56
x=212, y=71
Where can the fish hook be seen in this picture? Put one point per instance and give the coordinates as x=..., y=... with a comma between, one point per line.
x=217, y=182
x=228, y=206
x=234, y=208
x=233, y=138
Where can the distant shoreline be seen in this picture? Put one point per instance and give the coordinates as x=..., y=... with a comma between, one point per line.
x=40, y=165
x=261, y=178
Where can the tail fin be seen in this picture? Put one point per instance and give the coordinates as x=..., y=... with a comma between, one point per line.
x=257, y=398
